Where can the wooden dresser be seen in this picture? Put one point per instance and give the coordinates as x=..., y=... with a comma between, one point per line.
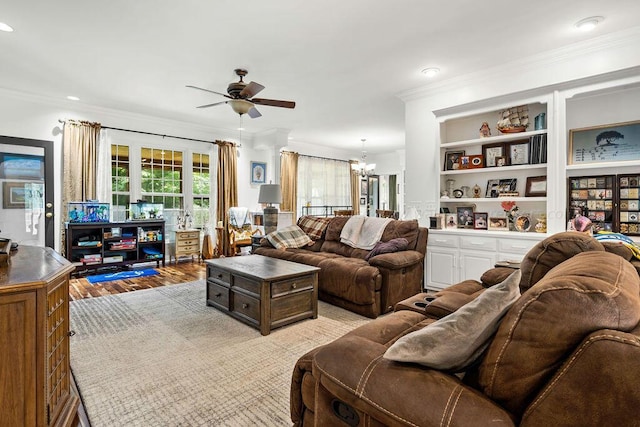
x=187, y=243
x=35, y=389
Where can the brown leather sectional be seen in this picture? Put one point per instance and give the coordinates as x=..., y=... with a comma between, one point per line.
x=347, y=280
x=567, y=353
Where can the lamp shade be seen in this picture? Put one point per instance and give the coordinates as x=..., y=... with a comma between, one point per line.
x=270, y=193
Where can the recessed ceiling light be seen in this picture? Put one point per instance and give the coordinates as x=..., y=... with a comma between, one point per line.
x=588, y=24
x=73, y=98
x=430, y=72
x=241, y=128
x=5, y=27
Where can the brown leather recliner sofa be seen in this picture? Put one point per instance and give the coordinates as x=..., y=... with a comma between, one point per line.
x=566, y=353
x=347, y=280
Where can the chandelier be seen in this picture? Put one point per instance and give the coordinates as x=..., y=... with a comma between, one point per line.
x=362, y=167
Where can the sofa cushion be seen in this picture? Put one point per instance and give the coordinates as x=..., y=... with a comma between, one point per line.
x=351, y=279
x=393, y=245
x=457, y=340
x=314, y=226
x=289, y=237
x=408, y=229
x=589, y=292
x=552, y=251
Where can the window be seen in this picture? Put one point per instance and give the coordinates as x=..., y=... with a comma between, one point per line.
x=323, y=182
x=161, y=181
x=120, y=180
x=201, y=189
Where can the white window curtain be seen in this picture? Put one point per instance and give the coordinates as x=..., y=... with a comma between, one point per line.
x=103, y=169
x=323, y=182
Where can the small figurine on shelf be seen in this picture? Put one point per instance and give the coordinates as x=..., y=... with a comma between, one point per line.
x=485, y=130
x=476, y=191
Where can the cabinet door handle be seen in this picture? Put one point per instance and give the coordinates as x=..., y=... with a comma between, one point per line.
x=477, y=243
x=441, y=241
x=245, y=305
x=518, y=247
x=294, y=285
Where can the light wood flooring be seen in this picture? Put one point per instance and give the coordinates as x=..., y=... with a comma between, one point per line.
x=171, y=274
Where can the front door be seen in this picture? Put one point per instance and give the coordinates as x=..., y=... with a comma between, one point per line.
x=26, y=177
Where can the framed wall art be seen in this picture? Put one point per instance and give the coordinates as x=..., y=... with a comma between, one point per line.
x=364, y=187
x=480, y=220
x=606, y=143
x=13, y=195
x=258, y=173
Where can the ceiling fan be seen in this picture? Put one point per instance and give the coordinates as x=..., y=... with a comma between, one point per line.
x=241, y=97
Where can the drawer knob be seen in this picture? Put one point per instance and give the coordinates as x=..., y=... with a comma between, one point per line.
x=294, y=285
x=218, y=295
x=219, y=276
x=245, y=305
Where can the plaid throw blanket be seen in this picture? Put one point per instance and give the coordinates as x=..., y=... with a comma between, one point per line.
x=289, y=237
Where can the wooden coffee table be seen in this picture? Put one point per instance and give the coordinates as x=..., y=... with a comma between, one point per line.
x=263, y=292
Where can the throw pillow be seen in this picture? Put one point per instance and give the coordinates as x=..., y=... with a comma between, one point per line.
x=393, y=245
x=289, y=237
x=456, y=341
x=314, y=226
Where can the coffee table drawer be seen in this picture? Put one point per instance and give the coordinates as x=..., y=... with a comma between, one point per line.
x=219, y=276
x=247, y=306
x=297, y=284
x=248, y=285
x=217, y=294
x=291, y=305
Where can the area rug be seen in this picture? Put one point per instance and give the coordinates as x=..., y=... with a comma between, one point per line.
x=119, y=275
x=162, y=357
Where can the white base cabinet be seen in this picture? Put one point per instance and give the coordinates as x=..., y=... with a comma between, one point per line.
x=456, y=255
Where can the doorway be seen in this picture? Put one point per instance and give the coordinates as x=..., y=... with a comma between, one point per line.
x=26, y=178
x=374, y=195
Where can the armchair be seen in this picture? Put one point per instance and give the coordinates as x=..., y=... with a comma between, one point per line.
x=240, y=229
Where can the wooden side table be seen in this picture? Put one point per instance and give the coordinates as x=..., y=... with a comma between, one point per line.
x=187, y=243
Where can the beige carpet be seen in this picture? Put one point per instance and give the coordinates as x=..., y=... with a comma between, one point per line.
x=161, y=357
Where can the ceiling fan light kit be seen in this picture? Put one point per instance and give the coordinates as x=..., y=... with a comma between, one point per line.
x=241, y=97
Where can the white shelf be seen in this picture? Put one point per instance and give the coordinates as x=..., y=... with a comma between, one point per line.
x=488, y=140
x=540, y=166
x=493, y=199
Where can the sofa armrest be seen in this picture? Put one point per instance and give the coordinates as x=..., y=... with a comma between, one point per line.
x=604, y=370
x=396, y=260
x=353, y=370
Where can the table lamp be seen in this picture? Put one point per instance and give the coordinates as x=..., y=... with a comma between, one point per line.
x=270, y=194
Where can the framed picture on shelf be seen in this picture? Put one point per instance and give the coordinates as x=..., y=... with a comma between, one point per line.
x=507, y=185
x=476, y=161
x=518, y=152
x=490, y=152
x=501, y=161
x=258, y=172
x=498, y=223
x=464, y=162
x=465, y=216
x=480, y=220
x=452, y=160
x=451, y=221
x=493, y=188
x=606, y=143
x=536, y=186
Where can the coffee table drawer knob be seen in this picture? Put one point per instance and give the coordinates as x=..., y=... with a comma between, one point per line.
x=294, y=285
x=245, y=305
x=218, y=295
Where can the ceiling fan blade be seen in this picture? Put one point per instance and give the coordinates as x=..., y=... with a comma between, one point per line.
x=210, y=91
x=250, y=90
x=254, y=113
x=274, y=102
x=212, y=105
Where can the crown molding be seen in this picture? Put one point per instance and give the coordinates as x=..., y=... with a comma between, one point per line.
x=575, y=51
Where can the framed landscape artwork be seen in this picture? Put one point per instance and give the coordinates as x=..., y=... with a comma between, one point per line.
x=258, y=173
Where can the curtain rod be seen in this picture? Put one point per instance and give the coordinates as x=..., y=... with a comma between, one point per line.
x=157, y=134
x=323, y=158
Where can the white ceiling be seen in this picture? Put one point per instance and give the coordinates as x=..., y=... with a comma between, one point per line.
x=342, y=61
